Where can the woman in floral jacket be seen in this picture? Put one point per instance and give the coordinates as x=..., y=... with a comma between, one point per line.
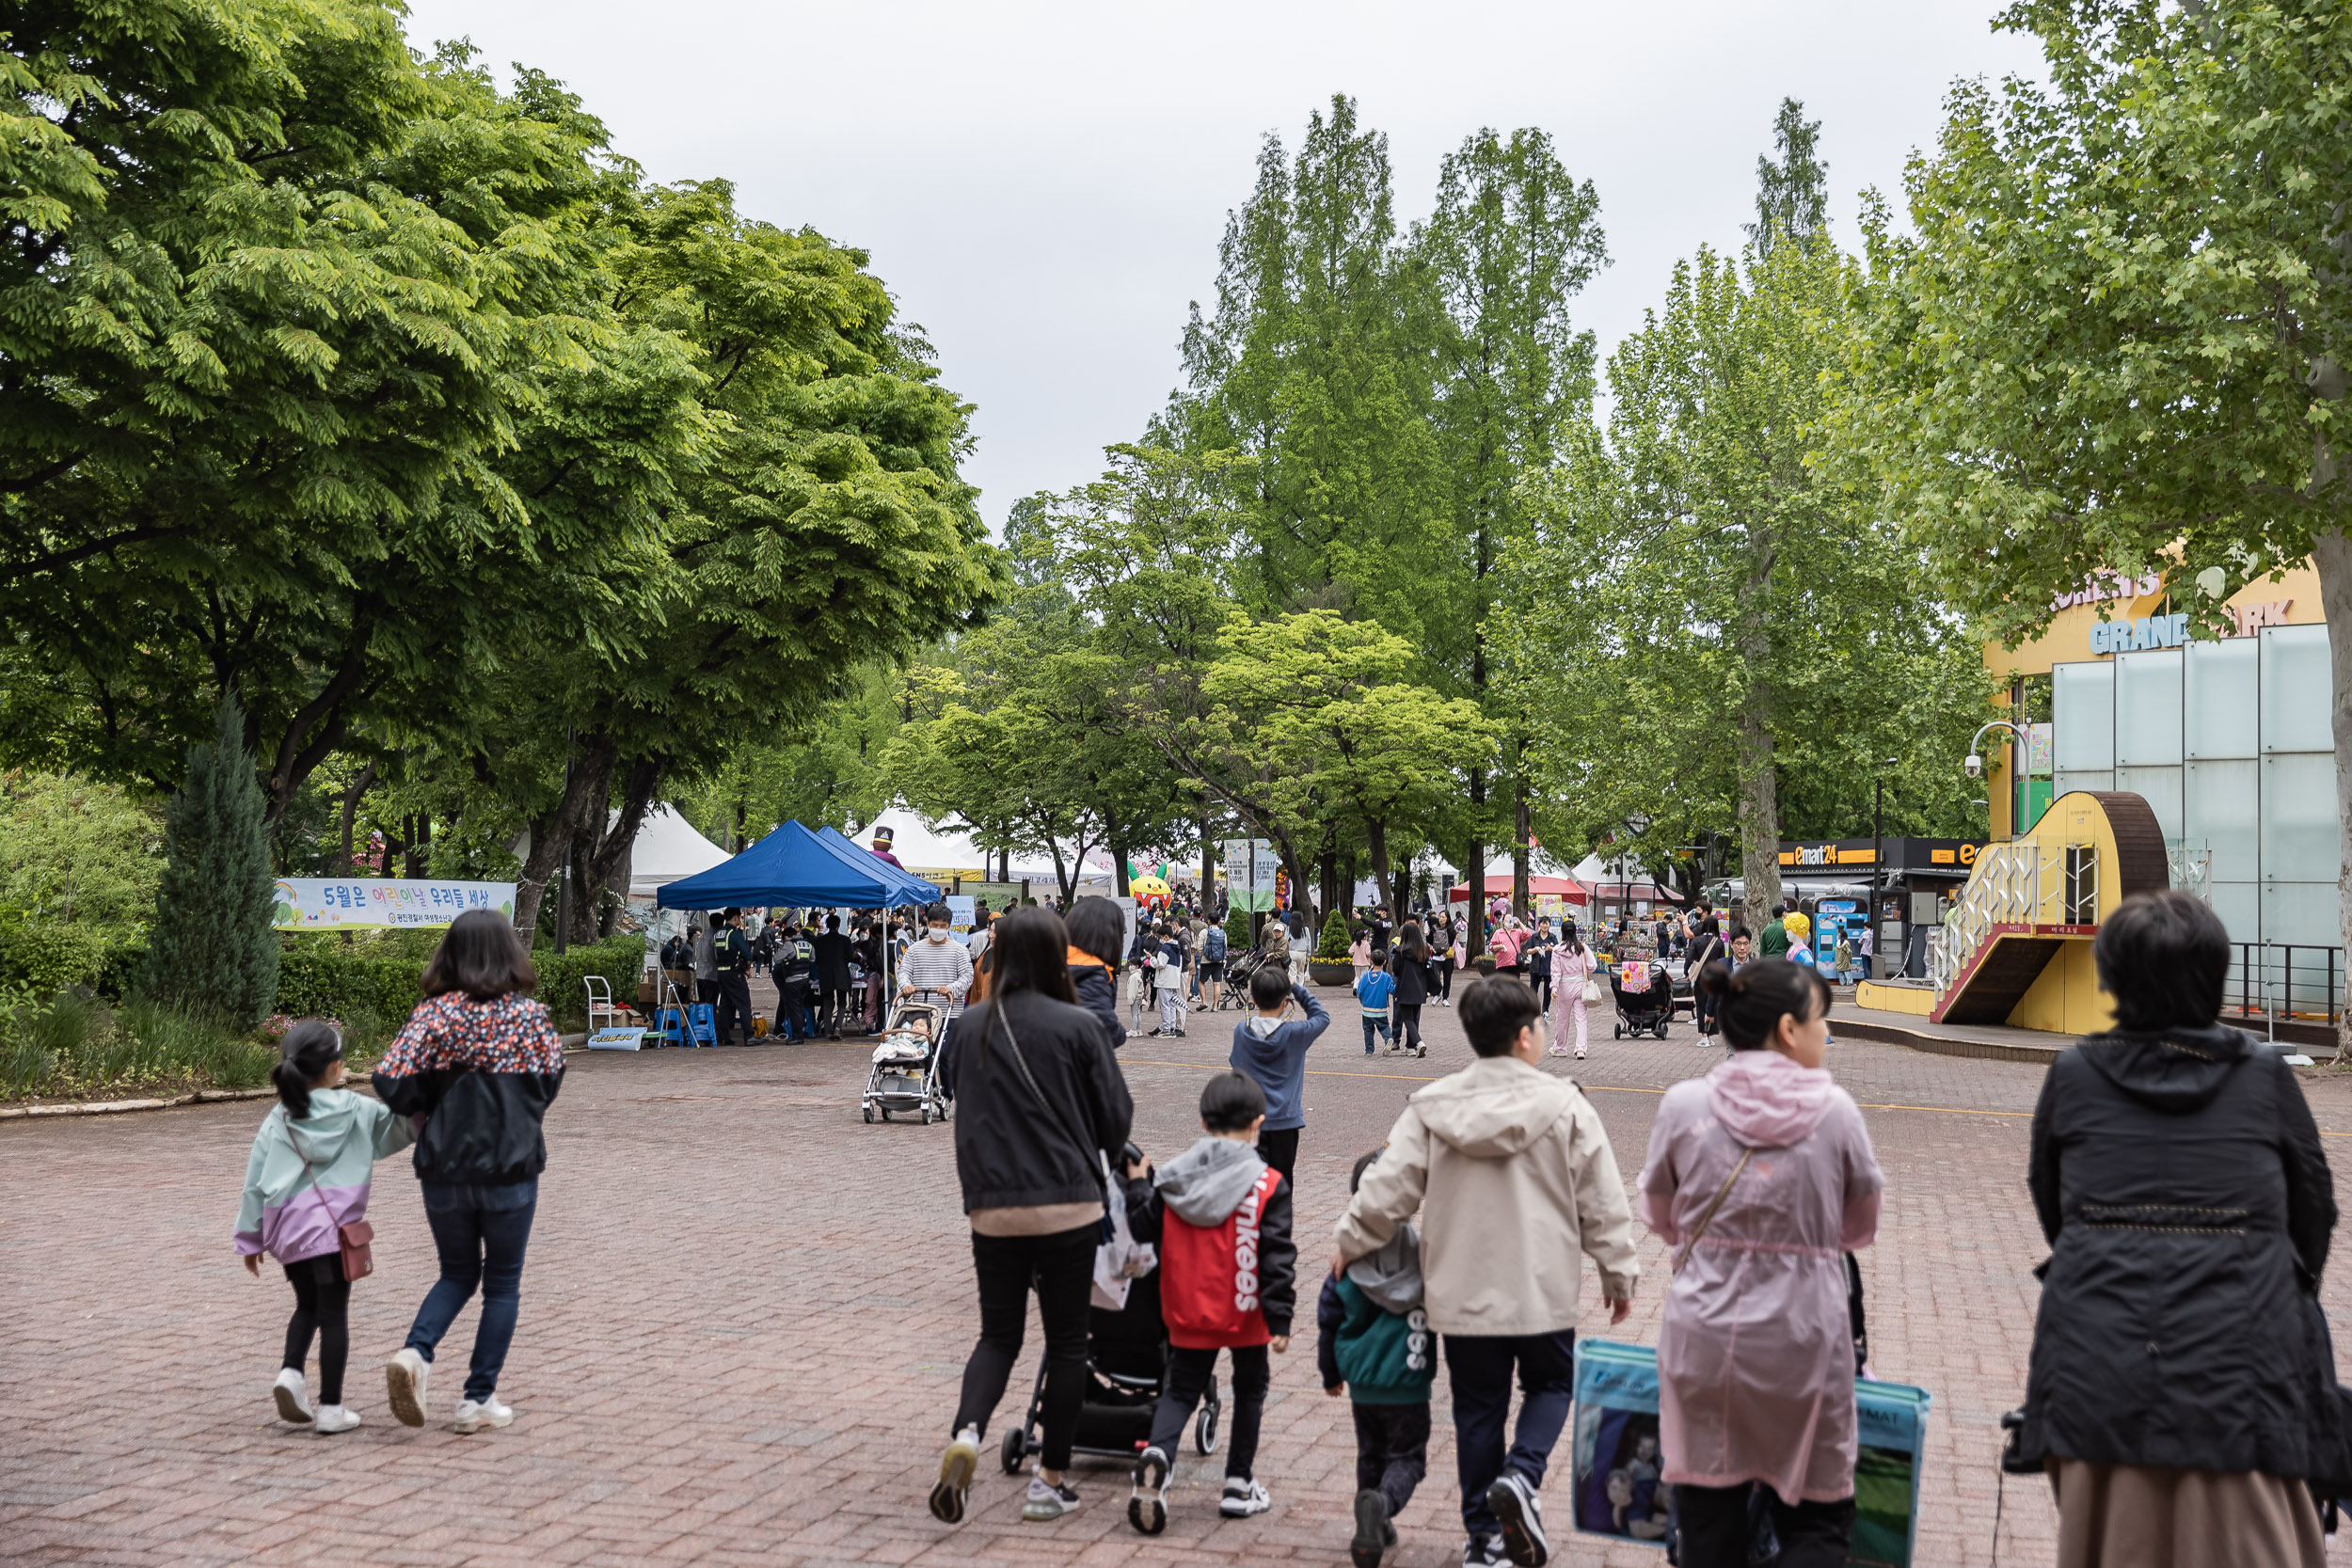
x=480, y=1063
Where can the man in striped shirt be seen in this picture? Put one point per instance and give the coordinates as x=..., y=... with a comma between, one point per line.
x=938, y=962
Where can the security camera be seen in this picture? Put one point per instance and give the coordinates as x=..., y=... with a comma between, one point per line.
x=1974, y=767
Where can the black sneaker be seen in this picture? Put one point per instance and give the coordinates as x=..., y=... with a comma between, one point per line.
x=1373, y=1533
x=1146, y=1507
x=1483, y=1551
x=1520, y=1513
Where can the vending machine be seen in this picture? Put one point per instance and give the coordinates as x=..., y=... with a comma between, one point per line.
x=1832, y=919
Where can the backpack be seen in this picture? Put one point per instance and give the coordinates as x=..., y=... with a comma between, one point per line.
x=1213, y=945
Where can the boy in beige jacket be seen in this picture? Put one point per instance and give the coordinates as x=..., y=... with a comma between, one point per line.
x=1512, y=1176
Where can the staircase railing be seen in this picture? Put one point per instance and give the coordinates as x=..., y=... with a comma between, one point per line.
x=2024, y=883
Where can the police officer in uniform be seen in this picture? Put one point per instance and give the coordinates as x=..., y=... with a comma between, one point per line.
x=731, y=964
x=796, y=983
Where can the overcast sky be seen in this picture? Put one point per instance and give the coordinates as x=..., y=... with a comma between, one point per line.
x=1042, y=185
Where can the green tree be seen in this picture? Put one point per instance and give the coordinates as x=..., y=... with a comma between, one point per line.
x=2120, y=336
x=1512, y=241
x=1706, y=630
x=1791, y=196
x=211, y=949
x=74, y=848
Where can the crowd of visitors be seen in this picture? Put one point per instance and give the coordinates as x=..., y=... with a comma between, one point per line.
x=2181, y=1397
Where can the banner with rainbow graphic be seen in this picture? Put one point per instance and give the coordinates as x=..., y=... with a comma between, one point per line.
x=310, y=903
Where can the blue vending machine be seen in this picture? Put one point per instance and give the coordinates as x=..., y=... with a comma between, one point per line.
x=1832, y=919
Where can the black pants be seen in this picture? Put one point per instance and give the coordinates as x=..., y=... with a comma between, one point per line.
x=1542, y=984
x=1391, y=1450
x=1445, y=979
x=735, y=1007
x=1062, y=1266
x=833, y=1005
x=1478, y=1368
x=322, y=1304
x=1408, y=1025
x=1280, y=1151
x=1188, y=1374
x=1715, y=1529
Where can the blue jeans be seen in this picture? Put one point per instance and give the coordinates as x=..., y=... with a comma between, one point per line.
x=480, y=1233
x=1371, y=1026
x=1478, y=1368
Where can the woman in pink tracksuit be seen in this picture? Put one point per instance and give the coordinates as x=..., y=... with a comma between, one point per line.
x=1572, y=963
x=1760, y=1176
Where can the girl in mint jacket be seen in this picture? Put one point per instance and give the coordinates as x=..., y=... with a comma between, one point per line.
x=308, y=1176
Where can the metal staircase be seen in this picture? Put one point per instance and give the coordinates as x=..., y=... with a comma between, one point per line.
x=2022, y=902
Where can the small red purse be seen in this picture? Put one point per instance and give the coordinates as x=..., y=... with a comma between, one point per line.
x=354, y=1237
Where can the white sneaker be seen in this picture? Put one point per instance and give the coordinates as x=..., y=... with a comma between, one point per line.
x=404, y=1377
x=1243, y=1499
x=293, y=1401
x=955, y=1476
x=1047, y=1501
x=474, y=1415
x=1147, y=1505
x=334, y=1419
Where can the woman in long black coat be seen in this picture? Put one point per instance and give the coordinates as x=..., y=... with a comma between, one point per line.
x=1409, y=962
x=2180, y=1390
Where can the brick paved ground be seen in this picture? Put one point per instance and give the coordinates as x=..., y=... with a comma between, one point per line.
x=746, y=1312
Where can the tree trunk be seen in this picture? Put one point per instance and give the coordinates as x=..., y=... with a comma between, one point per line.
x=552, y=833
x=2331, y=553
x=1475, y=873
x=420, y=844
x=1208, y=870
x=1759, y=789
x=393, y=847
x=1329, y=872
x=350, y=808
x=1114, y=841
x=598, y=850
x=1520, y=832
x=1377, y=838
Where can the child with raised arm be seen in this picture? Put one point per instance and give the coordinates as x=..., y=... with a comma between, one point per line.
x=1227, y=1271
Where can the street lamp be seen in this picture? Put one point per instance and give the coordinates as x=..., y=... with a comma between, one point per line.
x=1974, y=764
x=1878, y=841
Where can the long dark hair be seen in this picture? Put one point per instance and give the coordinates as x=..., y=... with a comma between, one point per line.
x=1032, y=949
x=1758, y=995
x=309, y=1048
x=1569, y=940
x=1408, y=938
x=482, y=957
x=1096, y=926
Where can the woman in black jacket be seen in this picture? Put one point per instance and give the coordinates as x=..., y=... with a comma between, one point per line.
x=1040, y=1110
x=478, y=1064
x=2180, y=1390
x=1409, y=963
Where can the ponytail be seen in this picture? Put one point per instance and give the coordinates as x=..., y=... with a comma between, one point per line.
x=1757, y=996
x=308, y=1051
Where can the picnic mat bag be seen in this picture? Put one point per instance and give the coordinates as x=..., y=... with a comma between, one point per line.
x=1616, y=1456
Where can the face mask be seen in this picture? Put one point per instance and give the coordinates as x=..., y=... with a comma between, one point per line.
x=937, y=934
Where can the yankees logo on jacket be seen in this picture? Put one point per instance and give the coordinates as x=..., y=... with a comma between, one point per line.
x=1228, y=1268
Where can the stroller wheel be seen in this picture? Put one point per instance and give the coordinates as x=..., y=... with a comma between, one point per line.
x=869, y=1115
x=1205, y=1431
x=1016, y=1450
x=886, y=1113
x=1662, y=1031
x=1617, y=1031
x=927, y=1115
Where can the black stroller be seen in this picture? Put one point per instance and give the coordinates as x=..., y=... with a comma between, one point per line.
x=1648, y=1011
x=1238, y=969
x=1126, y=1360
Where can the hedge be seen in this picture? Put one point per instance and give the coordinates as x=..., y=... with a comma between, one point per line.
x=620, y=959
x=44, y=957
x=316, y=979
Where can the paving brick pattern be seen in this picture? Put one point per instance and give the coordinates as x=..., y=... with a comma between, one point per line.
x=746, y=1312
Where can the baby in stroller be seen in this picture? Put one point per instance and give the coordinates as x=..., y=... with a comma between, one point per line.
x=1647, y=1005
x=1126, y=1360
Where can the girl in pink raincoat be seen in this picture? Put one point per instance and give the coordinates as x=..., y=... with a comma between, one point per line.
x=1760, y=1176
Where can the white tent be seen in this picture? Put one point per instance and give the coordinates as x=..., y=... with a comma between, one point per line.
x=934, y=854
x=667, y=849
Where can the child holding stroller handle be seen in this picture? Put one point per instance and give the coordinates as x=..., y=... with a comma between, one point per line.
x=1228, y=1269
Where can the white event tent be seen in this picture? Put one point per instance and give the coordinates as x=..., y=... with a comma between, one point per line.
x=668, y=848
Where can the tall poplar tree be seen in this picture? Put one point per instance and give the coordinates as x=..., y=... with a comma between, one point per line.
x=213, y=950
x=1513, y=239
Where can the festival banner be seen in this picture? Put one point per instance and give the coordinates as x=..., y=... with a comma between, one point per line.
x=312, y=904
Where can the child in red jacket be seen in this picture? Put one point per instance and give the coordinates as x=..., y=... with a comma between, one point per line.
x=1227, y=1273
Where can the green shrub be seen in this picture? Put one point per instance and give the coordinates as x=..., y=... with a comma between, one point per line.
x=45, y=956
x=1332, y=946
x=319, y=978
x=1237, y=931
x=620, y=959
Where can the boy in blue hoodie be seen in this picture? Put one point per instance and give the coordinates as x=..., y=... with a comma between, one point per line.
x=1271, y=1048
x=1376, y=1347
x=1373, y=987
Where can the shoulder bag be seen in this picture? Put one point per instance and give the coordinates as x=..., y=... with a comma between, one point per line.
x=1708, y=1217
x=355, y=1238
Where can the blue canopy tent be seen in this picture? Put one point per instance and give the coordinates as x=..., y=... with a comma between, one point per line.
x=800, y=866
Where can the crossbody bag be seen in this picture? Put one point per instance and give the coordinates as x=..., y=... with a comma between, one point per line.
x=355, y=1238
x=1708, y=1217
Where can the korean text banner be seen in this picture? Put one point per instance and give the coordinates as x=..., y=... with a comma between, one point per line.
x=306, y=902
